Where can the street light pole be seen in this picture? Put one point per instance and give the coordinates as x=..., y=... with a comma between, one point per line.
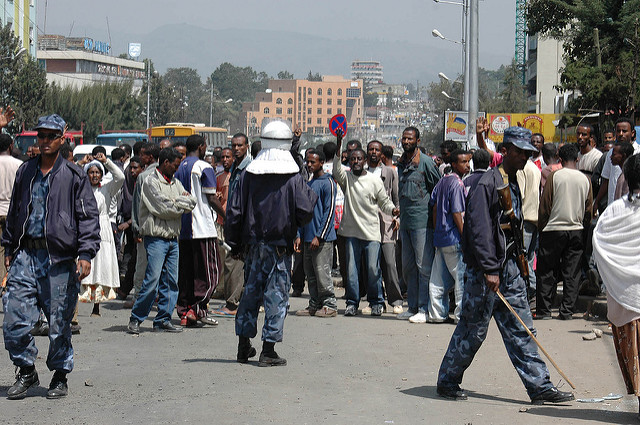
x=473, y=70
x=148, y=93
x=211, y=107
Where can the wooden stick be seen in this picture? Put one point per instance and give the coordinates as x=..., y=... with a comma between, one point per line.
x=526, y=328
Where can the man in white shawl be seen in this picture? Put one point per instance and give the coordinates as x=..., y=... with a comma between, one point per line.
x=616, y=246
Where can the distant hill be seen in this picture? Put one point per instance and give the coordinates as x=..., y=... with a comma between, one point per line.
x=177, y=45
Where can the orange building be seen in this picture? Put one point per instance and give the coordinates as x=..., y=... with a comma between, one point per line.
x=308, y=104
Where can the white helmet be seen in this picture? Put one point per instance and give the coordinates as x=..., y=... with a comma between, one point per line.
x=276, y=134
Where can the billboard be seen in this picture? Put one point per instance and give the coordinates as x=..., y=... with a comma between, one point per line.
x=455, y=125
x=537, y=123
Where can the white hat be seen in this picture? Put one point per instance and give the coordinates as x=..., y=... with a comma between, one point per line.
x=274, y=158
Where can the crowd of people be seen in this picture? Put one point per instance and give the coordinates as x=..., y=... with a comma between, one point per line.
x=170, y=224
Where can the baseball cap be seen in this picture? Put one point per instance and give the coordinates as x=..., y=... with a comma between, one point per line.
x=519, y=137
x=51, y=122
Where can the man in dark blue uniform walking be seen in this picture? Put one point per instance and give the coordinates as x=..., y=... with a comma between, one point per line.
x=491, y=266
x=263, y=215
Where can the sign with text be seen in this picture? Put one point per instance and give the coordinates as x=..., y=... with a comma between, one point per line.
x=455, y=125
x=537, y=123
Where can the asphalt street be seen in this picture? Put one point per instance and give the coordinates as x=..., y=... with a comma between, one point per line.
x=343, y=370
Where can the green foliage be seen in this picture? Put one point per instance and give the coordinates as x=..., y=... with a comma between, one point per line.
x=238, y=83
x=22, y=83
x=314, y=77
x=513, y=97
x=107, y=106
x=605, y=88
x=285, y=75
x=193, y=97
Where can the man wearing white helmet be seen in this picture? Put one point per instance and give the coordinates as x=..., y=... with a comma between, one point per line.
x=271, y=202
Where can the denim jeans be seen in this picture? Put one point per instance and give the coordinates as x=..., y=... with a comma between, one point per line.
x=34, y=284
x=317, y=268
x=160, y=278
x=448, y=269
x=354, y=249
x=417, y=259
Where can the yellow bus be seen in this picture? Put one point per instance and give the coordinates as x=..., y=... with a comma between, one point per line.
x=179, y=131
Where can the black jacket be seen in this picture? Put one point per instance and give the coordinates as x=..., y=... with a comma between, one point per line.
x=72, y=228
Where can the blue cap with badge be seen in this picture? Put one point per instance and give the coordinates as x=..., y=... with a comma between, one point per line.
x=51, y=122
x=519, y=137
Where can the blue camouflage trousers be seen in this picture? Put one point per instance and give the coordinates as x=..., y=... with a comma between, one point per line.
x=479, y=304
x=267, y=276
x=33, y=284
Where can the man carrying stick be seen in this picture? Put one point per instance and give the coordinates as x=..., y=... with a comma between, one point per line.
x=492, y=267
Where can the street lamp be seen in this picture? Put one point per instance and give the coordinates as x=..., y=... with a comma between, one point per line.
x=444, y=77
x=445, y=94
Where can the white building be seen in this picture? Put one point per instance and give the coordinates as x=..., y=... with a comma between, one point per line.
x=543, y=74
x=21, y=15
x=369, y=71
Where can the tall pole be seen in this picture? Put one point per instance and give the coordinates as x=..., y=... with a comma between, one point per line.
x=465, y=46
x=473, y=69
x=211, y=107
x=148, y=92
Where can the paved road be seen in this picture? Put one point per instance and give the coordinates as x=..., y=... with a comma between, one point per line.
x=360, y=370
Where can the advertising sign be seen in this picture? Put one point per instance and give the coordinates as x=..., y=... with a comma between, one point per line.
x=537, y=123
x=455, y=125
x=134, y=50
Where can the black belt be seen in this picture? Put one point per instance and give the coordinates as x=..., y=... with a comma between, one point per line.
x=29, y=243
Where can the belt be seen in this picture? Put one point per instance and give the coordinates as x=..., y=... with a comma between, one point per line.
x=34, y=243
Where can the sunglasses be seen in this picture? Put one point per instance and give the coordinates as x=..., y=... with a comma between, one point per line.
x=50, y=136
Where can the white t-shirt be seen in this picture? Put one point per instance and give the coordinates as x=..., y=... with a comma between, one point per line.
x=613, y=172
x=589, y=160
x=8, y=168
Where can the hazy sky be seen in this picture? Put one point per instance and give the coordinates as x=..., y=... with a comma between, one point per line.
x=407, y=20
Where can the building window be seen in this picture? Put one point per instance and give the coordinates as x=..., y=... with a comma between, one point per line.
x=353, y=92
x=309, y=91
x=319, y=92
x=319, y=111
x=328, y=120
x=266, y=110
x=319, y=120
x=278, y=111
x=339, y=110
x=279, y=101
x=339, y=92
x=309, y=111
x=289, y=111
x=310, y=101
x=339, y=101
x=289, y=101
x=329, y=92
x=299, y=116
x=328, y=101
x=279, y=89
x=329, y=111
x=308, y=120
x=319, y=101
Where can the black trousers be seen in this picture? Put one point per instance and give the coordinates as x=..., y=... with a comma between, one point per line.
x=558, y=249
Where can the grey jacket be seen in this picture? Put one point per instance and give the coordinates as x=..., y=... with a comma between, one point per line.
x=162, y=204
x=390, y=181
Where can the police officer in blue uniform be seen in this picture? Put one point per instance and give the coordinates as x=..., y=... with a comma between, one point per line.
x=51, y=223
x=263, y=215
x=491, y=266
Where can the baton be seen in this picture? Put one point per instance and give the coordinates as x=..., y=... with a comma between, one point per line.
x=526, y=328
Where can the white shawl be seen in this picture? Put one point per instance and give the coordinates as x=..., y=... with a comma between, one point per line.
x=616, y=247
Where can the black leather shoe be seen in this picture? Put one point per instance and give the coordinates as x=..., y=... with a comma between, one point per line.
x=167, y=327
x=452, y=393
x=57, y=388
x=553, y=395
x=271, y=359
x=133, y=327
x=40, y=329
x=245, y=353
x=24, y=381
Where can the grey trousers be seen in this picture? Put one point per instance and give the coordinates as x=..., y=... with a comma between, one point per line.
x=233, y=281
x=317, y=268
x=141, y=269
x=390, y=274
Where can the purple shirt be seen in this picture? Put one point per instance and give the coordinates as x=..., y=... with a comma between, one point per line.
x=448, y=196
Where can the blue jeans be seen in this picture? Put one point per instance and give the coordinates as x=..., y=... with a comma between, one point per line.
x=34, y=284
x=417, y=259
x=530, y=239
x=448, y=270
x=354, y=249
x=160, y=279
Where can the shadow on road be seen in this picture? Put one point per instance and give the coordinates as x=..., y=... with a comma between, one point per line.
x=210, y=361
x=429, y=391
x=591, y=415
x=39, y=391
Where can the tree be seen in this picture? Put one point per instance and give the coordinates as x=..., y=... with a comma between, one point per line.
x=238, y=83
x=285, y=75
x=23, y=84
x=600, y=64
x=193, y=100
x=314, y=77
x=513, y=97
x=389, y=103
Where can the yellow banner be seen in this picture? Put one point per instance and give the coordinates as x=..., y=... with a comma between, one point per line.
x=537, y=123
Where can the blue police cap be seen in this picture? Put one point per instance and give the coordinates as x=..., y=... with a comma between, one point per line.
x=519, y=137
x=51, y=122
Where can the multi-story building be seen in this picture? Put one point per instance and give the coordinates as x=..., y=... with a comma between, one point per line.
x=369, y=71
x=21, y=15
x=79, y=61
x=307, y=104
x=543, y=74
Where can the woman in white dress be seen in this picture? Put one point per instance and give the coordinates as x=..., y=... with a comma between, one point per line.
x=104, y=277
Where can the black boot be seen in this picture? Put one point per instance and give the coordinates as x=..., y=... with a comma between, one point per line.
x=25, y=379
x=245, y=350
x=58, y=387
x=269, y=357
